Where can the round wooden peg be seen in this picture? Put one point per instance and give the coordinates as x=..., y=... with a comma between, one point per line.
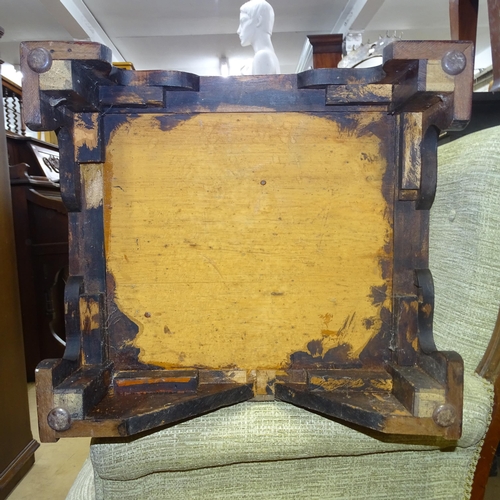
x=40, y=60
x=59, y=419
x=444, y=415
x=454, y=62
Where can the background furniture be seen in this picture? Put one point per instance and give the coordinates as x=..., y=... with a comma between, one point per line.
x=41, y=236
x=17, y=446
x=463, y=24
x=272, y=450
x=327, y=50
x=485, y=114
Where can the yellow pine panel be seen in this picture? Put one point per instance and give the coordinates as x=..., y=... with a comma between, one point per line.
x=236, y=239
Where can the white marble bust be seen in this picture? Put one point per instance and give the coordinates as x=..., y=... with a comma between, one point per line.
x=256, y=27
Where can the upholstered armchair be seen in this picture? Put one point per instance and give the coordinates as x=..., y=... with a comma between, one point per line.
x=273, y=450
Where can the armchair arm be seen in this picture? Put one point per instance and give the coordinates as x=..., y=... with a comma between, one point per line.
x=489, y=368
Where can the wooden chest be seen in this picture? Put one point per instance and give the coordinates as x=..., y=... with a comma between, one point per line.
x=248, y=238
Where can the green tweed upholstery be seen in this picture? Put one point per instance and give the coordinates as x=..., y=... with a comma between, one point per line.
x=465, y=244
x=273, y=450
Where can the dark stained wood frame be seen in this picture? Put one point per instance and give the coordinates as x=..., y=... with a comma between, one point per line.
x=424, y=87
x=463, y=24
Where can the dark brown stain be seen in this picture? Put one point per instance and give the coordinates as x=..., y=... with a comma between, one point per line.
x=170, y=121
x=121, y=331
x=272, y=92
x=338, y=357
x=368, y=323
x=384, y=128
x=348, y=123
x=378, y=295
x=378, y=128
x=385, y=265
x=377, y=351
x=315, y=347
x=69, y=171
x=112, y=122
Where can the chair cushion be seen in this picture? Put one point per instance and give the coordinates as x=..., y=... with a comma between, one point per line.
x=464, y=244
x=83, y=488
x=268, y=431
x=430, y=475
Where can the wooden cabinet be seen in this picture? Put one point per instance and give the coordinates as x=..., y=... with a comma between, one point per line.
x=41, y=236
x=17, y=446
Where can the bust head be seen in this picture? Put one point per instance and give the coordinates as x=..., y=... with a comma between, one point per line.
x=256, y=19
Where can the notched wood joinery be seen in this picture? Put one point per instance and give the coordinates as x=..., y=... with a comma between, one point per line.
x=61, y=76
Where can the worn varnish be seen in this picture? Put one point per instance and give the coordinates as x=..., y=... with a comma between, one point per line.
x=252, y=244
x=249, y=238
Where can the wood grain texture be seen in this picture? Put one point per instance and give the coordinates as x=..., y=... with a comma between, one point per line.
x=327, y=50
x=411, y=158
x=87, y=138
x=359, y=94
x=463, y=19
x=252, y=243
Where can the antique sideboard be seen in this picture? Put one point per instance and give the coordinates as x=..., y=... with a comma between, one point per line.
x=41, y=237
x=248, y=238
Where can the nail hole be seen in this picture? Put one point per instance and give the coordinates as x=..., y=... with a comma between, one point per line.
x=148, y=315
x=263, y=182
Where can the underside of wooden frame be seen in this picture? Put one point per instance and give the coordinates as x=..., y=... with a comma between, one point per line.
x=115, y=379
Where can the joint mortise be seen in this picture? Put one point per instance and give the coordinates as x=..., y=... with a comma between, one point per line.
x=65, y=82
x=430, y=79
